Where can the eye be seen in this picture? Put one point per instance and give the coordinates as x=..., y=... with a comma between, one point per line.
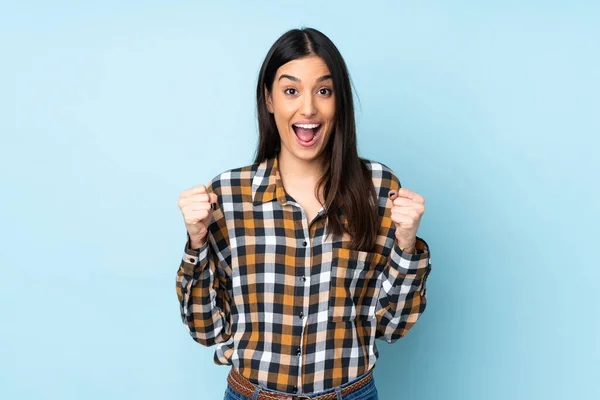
x=286, y=91
x=327, y=91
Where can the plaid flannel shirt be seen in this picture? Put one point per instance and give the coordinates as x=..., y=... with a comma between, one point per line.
x=290, y=308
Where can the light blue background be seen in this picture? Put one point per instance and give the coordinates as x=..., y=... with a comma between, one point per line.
x=489, y=109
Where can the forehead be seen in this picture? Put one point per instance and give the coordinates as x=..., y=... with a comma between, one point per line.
x=307, y=69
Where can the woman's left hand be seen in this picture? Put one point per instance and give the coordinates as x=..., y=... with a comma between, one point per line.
x=408, y=208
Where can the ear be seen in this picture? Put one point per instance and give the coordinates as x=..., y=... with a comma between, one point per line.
x=268, y=100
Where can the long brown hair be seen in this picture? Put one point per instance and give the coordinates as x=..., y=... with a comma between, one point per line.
x=347, y=181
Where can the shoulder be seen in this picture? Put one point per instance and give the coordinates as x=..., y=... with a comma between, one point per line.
x=231, y=179
x=384, y=178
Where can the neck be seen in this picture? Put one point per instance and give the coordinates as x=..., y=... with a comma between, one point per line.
x=301, y=171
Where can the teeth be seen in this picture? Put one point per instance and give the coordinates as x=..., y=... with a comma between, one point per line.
x=307, y=126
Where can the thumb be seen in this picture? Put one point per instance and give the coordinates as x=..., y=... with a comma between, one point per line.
x=213, y=198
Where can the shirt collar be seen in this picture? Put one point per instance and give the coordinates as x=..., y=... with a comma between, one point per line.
x=267, y=184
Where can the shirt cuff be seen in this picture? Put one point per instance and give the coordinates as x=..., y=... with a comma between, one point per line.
x=418, y=264
x=194, y=257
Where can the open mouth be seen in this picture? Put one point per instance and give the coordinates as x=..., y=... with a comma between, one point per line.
x=307, y=133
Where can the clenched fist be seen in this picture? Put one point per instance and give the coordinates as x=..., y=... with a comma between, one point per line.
x=407, y=210
x=197, y=206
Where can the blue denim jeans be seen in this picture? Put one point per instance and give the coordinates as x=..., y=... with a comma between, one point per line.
x=367, y=392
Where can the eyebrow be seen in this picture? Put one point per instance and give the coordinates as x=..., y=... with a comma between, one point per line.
x=293, y=78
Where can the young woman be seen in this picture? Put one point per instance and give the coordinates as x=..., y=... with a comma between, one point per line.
x=295, y=264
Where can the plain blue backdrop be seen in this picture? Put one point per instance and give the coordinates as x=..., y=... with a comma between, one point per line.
x=489, y=109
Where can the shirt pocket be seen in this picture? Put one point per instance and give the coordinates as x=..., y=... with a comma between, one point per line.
x=355, y=284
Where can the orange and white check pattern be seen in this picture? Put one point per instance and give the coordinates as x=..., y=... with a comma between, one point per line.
x=291, y=308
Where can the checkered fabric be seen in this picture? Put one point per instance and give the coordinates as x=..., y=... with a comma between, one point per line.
x=291, y=308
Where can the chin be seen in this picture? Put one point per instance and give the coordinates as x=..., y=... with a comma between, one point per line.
x=311, y=155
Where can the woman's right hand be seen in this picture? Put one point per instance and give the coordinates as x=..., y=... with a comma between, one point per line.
x=195, y=205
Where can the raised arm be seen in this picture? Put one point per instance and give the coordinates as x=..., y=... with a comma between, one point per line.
x=203, y=279
x=402, y=297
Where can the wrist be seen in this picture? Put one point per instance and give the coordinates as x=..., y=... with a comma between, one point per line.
x=407, y=247
x=196, y=243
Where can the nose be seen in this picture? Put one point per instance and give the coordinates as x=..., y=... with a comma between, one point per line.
x=308, y=106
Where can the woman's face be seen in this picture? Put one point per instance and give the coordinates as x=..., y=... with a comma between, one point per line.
x=303, y=104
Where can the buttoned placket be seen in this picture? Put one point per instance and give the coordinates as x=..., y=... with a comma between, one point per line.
x=303, y=287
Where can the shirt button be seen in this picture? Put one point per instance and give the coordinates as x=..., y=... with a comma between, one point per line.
x=295, y=389
x=301, y=315
x=298, y=351
x=192, y=260
x=304, y=243
x=303, y=278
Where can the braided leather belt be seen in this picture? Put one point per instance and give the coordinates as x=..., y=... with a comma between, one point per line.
x=246, y=388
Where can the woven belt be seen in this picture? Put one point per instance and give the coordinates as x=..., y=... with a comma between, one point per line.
x=246, y=388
